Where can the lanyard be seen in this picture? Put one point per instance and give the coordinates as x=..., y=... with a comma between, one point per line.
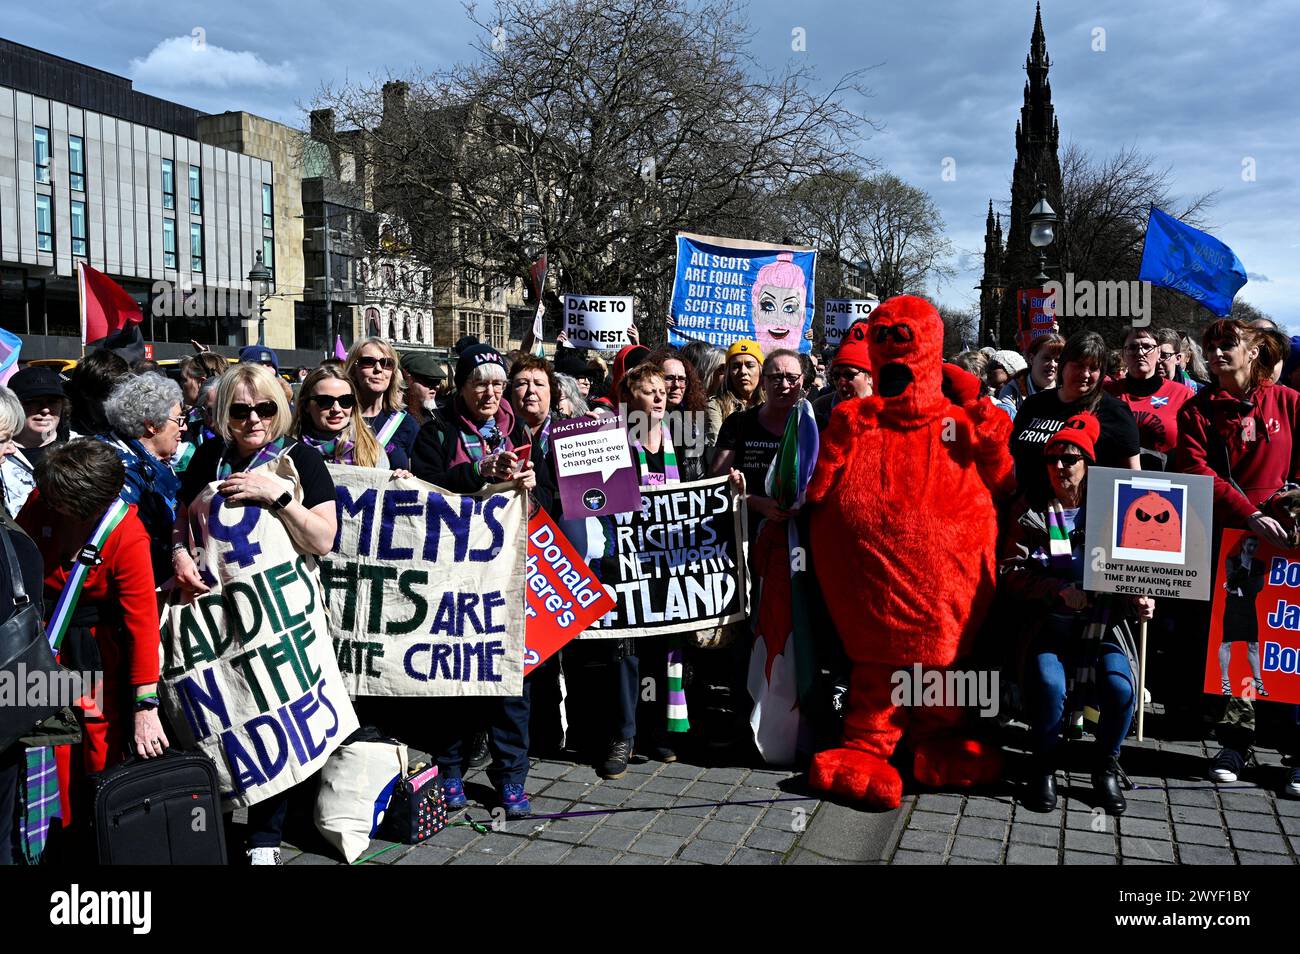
x=88, y=557
x=386, y=433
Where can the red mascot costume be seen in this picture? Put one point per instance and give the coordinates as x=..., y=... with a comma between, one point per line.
x=904, y=534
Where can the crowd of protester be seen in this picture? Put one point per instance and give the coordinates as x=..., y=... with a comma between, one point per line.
x=72, y=448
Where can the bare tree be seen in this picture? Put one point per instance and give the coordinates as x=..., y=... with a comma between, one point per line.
x=960, y=329
x=595, y=130
x=897, y=233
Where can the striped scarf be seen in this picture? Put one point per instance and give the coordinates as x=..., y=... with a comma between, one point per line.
x=335, y=450
x=1060, y=552
x=41, y=789
x=678, y=716
x=265, y=455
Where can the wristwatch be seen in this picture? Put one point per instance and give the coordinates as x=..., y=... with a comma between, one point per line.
x=281, y=502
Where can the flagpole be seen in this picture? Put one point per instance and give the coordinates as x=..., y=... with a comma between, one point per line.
x=81, y=302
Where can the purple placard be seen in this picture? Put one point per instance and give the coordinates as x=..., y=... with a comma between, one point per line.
x=594, y=465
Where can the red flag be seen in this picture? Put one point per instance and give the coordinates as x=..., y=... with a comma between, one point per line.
x=532, y=343
x=105, y=306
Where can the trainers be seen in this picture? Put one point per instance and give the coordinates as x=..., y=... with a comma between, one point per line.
x=615, y=764
x=1292, y=788
x=263, y=856
x=514, y=800
x=453, y=791
x=1227, y=765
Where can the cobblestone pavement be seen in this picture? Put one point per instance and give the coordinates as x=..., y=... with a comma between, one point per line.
x=663, y=814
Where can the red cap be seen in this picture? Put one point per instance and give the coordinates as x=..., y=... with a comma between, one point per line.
x=1082, y=431
x=854, y=351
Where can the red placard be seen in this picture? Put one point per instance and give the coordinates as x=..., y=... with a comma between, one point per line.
x=564, y=596
x=1037, y=315
x=1255, y=621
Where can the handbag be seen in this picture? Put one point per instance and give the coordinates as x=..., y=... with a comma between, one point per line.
x=24, y=652
x=418, y=809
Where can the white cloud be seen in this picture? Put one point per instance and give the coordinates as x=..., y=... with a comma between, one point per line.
x=192, y=62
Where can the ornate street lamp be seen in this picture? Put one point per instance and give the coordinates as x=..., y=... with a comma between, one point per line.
x=1042, y=230
x=260, y=277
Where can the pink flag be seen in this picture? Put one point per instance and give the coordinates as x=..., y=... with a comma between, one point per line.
x=340, y=352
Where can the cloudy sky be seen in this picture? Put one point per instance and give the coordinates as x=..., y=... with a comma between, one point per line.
x=1205, y=87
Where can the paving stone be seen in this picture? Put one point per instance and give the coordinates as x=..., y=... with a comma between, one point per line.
x=1197, y=816
x=1254, y=858
x=1035, y=835
x=540, y=853
x=583, y=855
x=1088, y=858
x=708, y=852
x=548, y=769
x=662, y=846
x=987, y=808
x=933, y=821
x=1083, y=841
x=567, y=790
x=1259, y=841
x=1089, y=820
x=983, y=828
x=1288, y=806
x=985, y=848
x=769, y=839
x=497, y=843
x=1148, y=848
x=1199, y=797
x=1249, y=821
x=951, y=804
x=667, y=785
x=1246, y=801
x=628, y=781
x=1144, y=828
x=744, y=814
x=455, y=836
x=904, y=857
x=643, y=768
x=1157, y=811
x=558, y=831
x=1052, y=819
x=729, y=832
x=1200, y=835
x=707, y=791
x=781, y=817
x=681, y=770
x=1204, y=855
x=727, y=776
x=633, y=820
x=644, y=799
x=763, y=778
x=583, y=774
x=426, y=854
x=693, y=808
x=601, y=795
x=675, y=823
x=931, y=841
x=1290, y=825
x=639, y=860
x=615, y=839
x=311, y=858
x=1031, y=855
x=550, y=806
x=749, y=856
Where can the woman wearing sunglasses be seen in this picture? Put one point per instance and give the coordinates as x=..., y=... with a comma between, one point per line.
x=372, y=368
x=325, y=418
x=1071, y=645
x=252, y=423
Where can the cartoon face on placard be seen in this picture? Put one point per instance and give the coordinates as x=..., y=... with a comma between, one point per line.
x=779, y=302
x=1149, y=523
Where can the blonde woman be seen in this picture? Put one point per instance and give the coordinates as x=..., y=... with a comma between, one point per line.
x=372, y=367
x=325, y=418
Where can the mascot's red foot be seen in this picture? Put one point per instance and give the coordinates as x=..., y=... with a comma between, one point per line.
x=856, y=775
x=957, y=762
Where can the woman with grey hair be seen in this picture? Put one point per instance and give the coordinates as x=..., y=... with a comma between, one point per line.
x=144, y=412
x=572, y=403
x=12, y=417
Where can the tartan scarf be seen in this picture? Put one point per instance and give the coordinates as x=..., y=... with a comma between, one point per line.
x=678, y=716
x=336, y=450
x=264, y=455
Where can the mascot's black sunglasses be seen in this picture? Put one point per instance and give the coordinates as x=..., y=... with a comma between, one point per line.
x=897, y=332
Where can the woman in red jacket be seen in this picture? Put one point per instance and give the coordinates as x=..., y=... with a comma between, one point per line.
x=1242, y=431
x=113, y=626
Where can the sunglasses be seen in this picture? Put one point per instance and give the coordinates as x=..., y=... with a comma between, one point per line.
x=1069, y=460
x=367, y=363
x=327, y=401
x=264, y=409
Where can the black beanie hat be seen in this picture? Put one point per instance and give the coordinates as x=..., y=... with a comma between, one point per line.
x=472, y=358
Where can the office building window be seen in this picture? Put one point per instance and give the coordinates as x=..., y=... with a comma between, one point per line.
x=169, y=184
x=44, y=225
x=268, y=211
x=196, y=192
x=196, y=247
x=78, y=209
x=76, y=164
x=169, y=243
x=496, y=331
x=268, y=253
x=42, y=143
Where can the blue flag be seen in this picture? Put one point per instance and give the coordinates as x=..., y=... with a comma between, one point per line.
x=1190, y=261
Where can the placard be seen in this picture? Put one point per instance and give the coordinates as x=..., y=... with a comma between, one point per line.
x=839, y=314
x=594, y=468
x=598, y=321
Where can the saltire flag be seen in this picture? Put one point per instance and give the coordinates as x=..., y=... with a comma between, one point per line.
x=1192, y=262
x=533, y=341
x=10, y=346
x=781, y=663
x=106, y=308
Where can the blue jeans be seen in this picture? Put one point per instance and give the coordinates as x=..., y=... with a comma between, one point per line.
x=506, y=720
x=1045, y=680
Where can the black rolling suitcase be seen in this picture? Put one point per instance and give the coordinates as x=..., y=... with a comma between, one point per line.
x=162, y=811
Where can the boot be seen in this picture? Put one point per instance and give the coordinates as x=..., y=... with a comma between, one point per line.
x=1040, y=787
x=1105, y=782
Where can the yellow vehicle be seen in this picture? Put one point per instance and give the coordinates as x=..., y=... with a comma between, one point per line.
x=61, y=365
